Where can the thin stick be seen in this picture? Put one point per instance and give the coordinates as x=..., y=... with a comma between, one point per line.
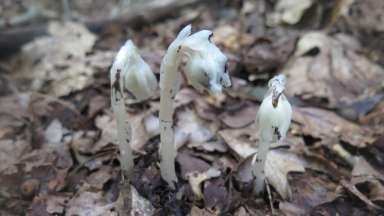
x=270, y=196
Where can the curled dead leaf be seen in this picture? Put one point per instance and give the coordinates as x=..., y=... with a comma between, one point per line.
x=331, y=69
x=277, y=167
x=196, y=179
x=330, y=127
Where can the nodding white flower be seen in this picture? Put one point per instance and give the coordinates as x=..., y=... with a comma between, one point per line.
x=138, y=78
x=205, y=69
x=275, y=112
x=129, y=73
x=206, y=65
x=273, y=120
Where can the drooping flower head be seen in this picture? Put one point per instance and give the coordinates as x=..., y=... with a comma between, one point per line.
x=137, y=77
x=206, y=65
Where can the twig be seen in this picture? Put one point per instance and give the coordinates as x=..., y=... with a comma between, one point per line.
x=351, y=188
x=270, y=196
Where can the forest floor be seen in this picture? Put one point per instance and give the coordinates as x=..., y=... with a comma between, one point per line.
x=58, y=148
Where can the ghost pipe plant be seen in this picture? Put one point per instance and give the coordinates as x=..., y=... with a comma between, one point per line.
x=273, y=120
x=206, y=70
x=130, y=76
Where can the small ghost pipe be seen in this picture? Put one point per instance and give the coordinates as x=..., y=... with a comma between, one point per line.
x=129, y=73
x=205, y=69
x=273, y=120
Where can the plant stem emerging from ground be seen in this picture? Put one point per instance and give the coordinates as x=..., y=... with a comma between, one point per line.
x=206, y=69
x=129, y=73
x=273, y=120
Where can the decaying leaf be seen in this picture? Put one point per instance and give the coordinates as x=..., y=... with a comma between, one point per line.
x=241, y=141
x=11, y=151
x=289, y=11
x=196, y=179
x=59, y=63
x=330, y=127
x=144, y=126
x=140, y=206
x=216, y=195
x=240, y=117
x=196, y=211
x=368, y=180
x=213, y=146
x=310, y=189
x=90, y=203
x=190, y=164
x=190, y=128
x=334, y=72
x=278, y=165
x=231, y=38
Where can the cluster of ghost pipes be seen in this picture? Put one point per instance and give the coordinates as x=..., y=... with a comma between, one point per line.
x=206, y=69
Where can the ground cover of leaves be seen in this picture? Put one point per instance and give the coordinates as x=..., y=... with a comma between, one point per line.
x=58, y=146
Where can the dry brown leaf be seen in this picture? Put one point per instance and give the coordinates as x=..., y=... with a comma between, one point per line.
x=337, y=73
x=311, y=189
x=59, y=63
x=278, y=165
x=241, y=141
x=330, y=127
x=368, y=180
x=190, y=128
x=214, y=146
x=48, y=204
x=90, y=203
x=196, y=179
x=140, y=206
x=196, y=211
x=11, y=150
x=216, y=195
x=138, y=121
x=99, y=178
x=363, y=168
x=230, y=37
x=241, y=117
x=288, y=11
x=190, y=164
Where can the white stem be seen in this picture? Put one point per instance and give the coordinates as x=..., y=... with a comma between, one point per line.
x=259, y=166
x=123, y=127
x=168, y=90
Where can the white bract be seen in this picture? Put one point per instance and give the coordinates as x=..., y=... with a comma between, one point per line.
x=129, y=73
x=273, y=120
x=206, y=69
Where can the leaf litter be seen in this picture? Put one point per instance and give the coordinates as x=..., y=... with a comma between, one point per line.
x=58, y=149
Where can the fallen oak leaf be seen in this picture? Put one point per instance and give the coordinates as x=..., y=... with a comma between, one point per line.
x=278, y=165
x=195, y=179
